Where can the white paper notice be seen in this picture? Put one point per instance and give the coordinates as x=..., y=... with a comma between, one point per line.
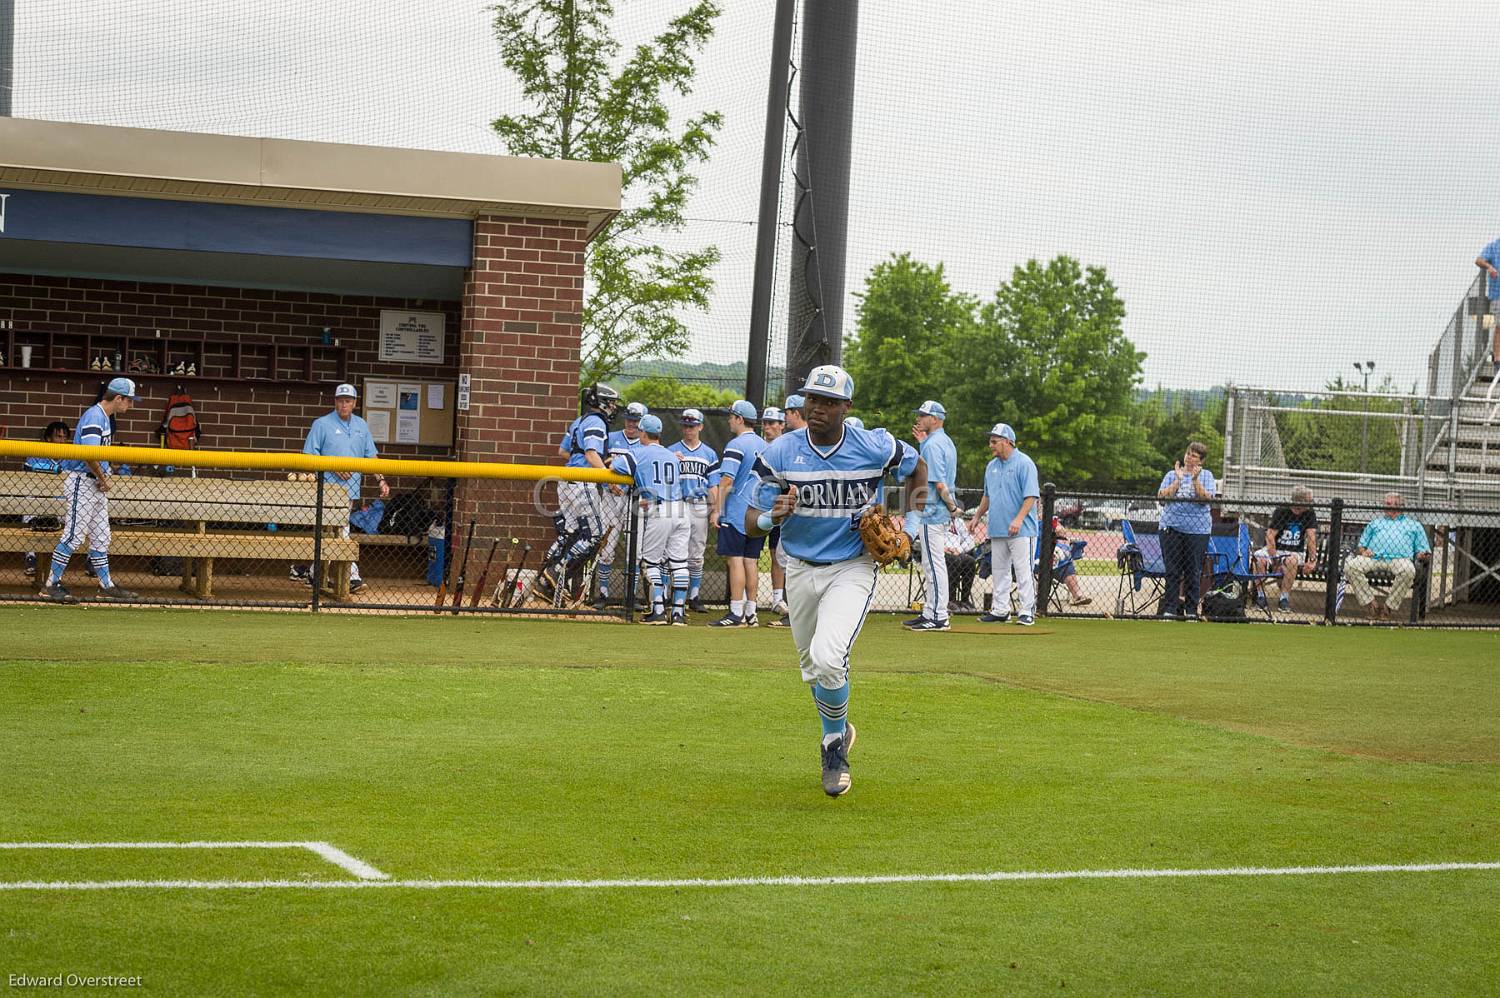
x=380, y=426
x=380, y=395
x=434, y=396
x=411, y=337
x=408, y=428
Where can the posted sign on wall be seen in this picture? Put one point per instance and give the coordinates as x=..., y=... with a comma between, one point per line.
x=411, y=337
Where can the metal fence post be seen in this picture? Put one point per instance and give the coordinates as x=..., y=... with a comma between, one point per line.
x=1044, y=553
x=632, y=550
x=1334, y=571
x=317, y=565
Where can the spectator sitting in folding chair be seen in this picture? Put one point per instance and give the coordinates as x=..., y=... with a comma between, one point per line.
x=1394, y=543
x=1291, y=544
x=1065, y=554
x=959, y=545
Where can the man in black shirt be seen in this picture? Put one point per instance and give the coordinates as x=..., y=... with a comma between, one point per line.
x=1291, y=543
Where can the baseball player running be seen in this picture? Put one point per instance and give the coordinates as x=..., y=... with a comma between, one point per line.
x=731, y=498
x=579, y=518
x=930, y=524
x=700, y=464
x=816, y=485
x=86, y=497
x=616, y=503
x=772, y=425
x=666, y=526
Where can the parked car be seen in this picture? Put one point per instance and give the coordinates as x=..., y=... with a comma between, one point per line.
x=1102, y=516
x=1142, y=509
x=1067, y=510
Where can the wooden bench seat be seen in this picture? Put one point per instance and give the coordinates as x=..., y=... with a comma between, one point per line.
x=198, y=520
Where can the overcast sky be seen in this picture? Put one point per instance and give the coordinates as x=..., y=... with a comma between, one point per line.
x=1277, y=189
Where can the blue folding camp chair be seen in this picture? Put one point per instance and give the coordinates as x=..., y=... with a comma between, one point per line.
x=1142, y=571
x=1076, y=548
x=1232, y=565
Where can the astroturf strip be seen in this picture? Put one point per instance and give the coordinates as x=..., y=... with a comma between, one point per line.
x=895, y=878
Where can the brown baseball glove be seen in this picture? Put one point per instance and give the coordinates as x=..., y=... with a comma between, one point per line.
x=881, y=538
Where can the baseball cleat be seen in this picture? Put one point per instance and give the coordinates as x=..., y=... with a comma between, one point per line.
x=696, y=605
x=115, y=592
x=659, y=617
x=781, y=622
x=836, y=780
x=728, y=620
x=602, y=602
x=781, y=608
x=1025, y=620
x=913, y=622
x=994, y=618
x=679, y=619
x=930, y=625
x=58, y=594
x=750, y=621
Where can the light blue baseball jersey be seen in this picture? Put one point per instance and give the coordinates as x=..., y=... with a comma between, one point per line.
x=1491, y=255
x=700, y=468
x=738, y=464
x=93, y=430
x=656, y=470
x=1007, y=484
x=619, y=444
x=332, y=437
x=834, y=487
x=942, y=466
x=586, y=433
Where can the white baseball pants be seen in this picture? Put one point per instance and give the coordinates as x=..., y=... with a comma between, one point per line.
x=935, y=568
x=828, y=604
x=1007, y=554
x=87, y=513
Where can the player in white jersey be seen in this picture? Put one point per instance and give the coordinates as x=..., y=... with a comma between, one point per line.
x=665, y=525
x=700, y=473
x=772, y=425
x=85, y=497
x=615, y=503
x=816, y=484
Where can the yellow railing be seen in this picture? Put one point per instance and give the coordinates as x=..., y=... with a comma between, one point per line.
x=291, y=461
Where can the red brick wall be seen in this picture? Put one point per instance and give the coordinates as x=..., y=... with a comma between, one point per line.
x=234, y=416
x=521, y=335
x=517, y=334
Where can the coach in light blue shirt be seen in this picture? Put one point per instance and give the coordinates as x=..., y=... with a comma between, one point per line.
x=942, y=467
x=1011, y=495
x=341, y=433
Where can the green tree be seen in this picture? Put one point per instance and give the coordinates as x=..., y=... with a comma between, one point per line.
x=669, y=393
x=587, y=104
x=899, y=355
x=1049, y=356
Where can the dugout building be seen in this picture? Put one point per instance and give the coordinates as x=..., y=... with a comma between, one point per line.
x=275, y=269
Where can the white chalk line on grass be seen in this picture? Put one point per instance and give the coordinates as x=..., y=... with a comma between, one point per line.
x=899, y=878
x=364, y=871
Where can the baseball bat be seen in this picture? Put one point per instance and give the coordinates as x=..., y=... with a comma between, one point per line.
x=448, y=551
x=510, y=563
x=512, y=597
x=463, y=570
x=484, y=576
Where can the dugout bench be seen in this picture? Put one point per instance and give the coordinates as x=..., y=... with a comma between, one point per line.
x=199, y=520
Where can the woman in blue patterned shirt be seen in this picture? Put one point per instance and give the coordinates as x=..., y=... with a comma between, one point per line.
x=1185, y=528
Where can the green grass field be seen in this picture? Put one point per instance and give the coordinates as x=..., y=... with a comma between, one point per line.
x=502, y=750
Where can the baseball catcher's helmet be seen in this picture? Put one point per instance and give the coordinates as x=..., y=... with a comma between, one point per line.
x=601, y=397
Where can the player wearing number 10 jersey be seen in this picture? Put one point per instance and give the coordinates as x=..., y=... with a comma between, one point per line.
x=665, y=527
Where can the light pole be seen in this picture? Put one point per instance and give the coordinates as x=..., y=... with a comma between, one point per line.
x=1366, y=369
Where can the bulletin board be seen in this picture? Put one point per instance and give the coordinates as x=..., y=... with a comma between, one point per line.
x=409, y=410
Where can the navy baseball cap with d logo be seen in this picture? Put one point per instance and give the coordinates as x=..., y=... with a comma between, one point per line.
x=829, y=381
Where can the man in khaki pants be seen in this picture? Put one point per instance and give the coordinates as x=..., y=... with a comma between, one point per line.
x=1393, y=543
